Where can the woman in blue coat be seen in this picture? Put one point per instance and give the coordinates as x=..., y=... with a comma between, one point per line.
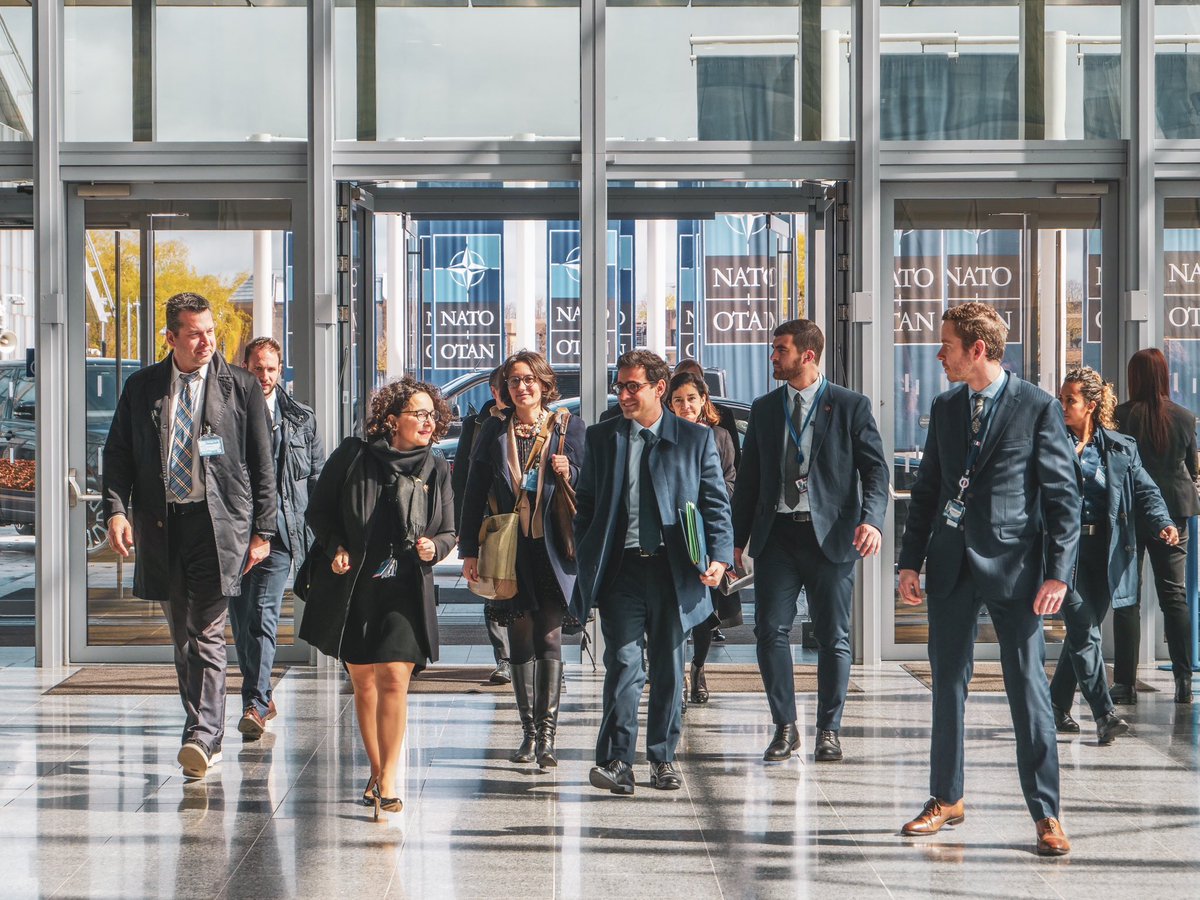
x=530, y=446
x=1117, y=492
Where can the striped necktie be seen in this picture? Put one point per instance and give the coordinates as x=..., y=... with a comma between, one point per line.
x=179, y=471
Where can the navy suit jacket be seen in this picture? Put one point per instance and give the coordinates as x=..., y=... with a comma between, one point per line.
x=845, y=448
x=1021, y=525
x=685, y=466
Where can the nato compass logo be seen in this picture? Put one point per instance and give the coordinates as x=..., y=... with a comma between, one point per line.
x=747, y=225
x=467, y=268
x=571, y=264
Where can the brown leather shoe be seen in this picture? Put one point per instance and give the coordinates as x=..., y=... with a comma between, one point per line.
x=1052, y=840
x=252, y=725
x=272, y=712
x=934, y=815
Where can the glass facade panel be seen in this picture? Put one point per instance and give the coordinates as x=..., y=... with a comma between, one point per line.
x=1083, y=71
x=16, y=68
x=1181, y=299
x=98, y=72
x=1038, y=264
x=729, y=71
x=458, y=71
x=231, y=73
x=1177, y=70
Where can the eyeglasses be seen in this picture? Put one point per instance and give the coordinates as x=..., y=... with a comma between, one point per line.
x=517, y=380
x=421, y=415
x=619, y=387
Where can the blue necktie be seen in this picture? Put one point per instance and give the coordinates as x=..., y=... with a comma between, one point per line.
x=649, y=528
x=179, y=471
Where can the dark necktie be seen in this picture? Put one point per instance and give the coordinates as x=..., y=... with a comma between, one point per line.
x=976, y=415
x=791, y=462
x=179, y=471
x=649, y=528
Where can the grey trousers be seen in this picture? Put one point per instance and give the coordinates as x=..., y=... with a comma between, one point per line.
x=196, y=610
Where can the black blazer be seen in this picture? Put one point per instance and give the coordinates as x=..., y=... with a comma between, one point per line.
x=1174, y=470
x=1021, y=524
x=239, y=484
x=845, y=448
x=339, y=512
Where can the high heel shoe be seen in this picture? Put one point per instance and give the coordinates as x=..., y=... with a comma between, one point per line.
x=371, y=791
x=388, y=804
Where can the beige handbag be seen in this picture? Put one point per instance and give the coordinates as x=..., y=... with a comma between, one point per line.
x=498, y=542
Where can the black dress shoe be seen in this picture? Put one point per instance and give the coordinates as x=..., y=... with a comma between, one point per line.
x=1183, y=688
x=718, y=636
x=829, y=748
x=1123, y=694
x=1109, y=727
x=664, y=776
x=1064, y=723
x=616, y=776
x=784, y=744
x=502, y=674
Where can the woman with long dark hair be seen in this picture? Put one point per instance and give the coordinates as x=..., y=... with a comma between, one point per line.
x=1166, y=437
x=1117, y=491
x=516, y=462
x=383, y=510
x=688, y=397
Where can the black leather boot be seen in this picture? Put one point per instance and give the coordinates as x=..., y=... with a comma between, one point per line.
x=523, y=687
x=699, y=685
x=548, y=691
x=1183, y=688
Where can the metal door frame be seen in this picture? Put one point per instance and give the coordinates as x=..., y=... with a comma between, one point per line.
x=1108, y=196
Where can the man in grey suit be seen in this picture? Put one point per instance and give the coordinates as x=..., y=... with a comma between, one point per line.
x=638, y=472
x=995, y=516
x=798, y=507
x=189, y=480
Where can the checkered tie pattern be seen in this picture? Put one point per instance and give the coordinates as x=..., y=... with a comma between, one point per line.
x=179, y=471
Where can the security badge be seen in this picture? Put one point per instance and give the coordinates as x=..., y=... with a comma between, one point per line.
x=531, y=480
x=210, y=444
x=802, y=485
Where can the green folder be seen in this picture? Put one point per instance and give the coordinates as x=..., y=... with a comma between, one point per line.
x=691, y=524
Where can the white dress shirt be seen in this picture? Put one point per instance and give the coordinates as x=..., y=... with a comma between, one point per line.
x=197, y=391
x=805, y=398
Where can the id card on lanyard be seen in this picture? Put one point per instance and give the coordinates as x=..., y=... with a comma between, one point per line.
x=957, y=508
x=802, y=481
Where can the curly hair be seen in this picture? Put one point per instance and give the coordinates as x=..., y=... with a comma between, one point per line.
x=685, y=379
x=541, y=371
x=1095, y=389
x=392, y=399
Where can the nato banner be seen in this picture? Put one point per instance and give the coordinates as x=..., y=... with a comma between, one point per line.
x=462, y=278
x=563, y=309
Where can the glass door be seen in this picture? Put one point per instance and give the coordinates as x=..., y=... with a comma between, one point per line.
x=1038, y=260
x=127, y=258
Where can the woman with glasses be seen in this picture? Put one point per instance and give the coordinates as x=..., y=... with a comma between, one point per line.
x=688, y=398
x=383, y=510
x=515, y=464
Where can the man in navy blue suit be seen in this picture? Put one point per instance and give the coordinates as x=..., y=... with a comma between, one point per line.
x=638, y=472
x=995, y=518
x=798, y=507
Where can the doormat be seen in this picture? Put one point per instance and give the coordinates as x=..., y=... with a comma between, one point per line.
x=988, y=677
x=102, y=680
x=722, y=679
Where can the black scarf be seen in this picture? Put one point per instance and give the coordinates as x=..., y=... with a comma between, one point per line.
x=402, y=475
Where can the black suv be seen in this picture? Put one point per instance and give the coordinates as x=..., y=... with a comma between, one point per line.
x=18, y=441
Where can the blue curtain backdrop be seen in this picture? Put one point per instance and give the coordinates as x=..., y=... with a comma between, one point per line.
x=931, y=97
x=746, y=98
x=1181, y=247
x=1177, y=96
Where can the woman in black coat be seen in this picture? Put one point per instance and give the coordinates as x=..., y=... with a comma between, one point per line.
x=688, y=397
x=383, y=512
x=1166, y=438
x=529, y=446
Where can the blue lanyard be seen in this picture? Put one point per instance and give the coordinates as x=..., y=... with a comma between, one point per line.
x=977, y=440
x=807, y=418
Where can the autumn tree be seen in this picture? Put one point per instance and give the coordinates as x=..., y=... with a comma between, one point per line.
x=173, y=274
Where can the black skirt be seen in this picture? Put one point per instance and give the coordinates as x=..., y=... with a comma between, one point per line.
x=386, y=622
x=537, y=586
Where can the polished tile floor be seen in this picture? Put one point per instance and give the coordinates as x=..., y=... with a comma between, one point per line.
x=93, y=805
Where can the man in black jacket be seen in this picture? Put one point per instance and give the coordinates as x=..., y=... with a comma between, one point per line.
x=188, y=457
x=297, y=458
x=497, y=633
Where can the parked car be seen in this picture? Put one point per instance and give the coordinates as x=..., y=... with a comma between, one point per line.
x=467, y=393
x=18, y=441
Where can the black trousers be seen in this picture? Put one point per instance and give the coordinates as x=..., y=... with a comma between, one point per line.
x=196, y=611
x=1169, y=565
x=1082, y=659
